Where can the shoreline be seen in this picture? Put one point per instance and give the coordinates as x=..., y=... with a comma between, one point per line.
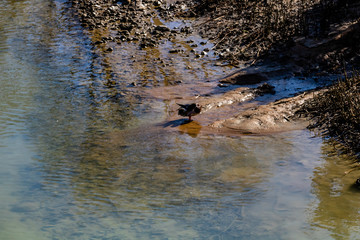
x=306, y=56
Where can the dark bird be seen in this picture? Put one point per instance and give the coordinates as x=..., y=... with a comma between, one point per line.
x=189, y=110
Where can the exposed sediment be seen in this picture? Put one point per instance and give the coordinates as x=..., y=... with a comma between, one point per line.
x=274, y=117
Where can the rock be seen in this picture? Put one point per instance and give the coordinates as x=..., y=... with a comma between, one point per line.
x=157, y=3
x=98, y=42
x=222, y=85
x=241, y=78
x=265, y=88
x=162, y=28
x=186, y=30
x=175, y=51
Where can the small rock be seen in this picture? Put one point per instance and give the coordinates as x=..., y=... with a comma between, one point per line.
x=265, y=88
x=186, y=30
x=162, y=28
x=157, y=3
x=242, y=78
x=175, y=51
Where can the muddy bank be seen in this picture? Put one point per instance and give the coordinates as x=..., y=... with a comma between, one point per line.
x=234, y=111
x=258, y=34
x=274, y=117
x=234, y=96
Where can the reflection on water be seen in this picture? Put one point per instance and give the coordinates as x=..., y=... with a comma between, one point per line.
x=86, y=156
x=337, y=208
x=192, y=128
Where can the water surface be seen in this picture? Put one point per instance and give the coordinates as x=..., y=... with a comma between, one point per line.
x=85, y=155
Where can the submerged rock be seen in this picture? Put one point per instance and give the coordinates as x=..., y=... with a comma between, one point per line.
x=357, y=183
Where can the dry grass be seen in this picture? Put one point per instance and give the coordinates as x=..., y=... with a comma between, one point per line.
x=337, y=112
x=248, y=29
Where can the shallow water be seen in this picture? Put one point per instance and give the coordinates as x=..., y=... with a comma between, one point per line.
x=84, y=158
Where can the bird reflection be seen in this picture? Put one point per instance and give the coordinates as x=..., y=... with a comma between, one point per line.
x=191, y=128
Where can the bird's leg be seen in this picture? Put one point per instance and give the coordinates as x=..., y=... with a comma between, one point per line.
x=189, y=118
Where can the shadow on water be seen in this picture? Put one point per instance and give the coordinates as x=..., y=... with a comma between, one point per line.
x=176, y=123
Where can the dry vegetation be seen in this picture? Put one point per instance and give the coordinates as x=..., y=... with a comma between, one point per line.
x=249, y=29
x=337, y=112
